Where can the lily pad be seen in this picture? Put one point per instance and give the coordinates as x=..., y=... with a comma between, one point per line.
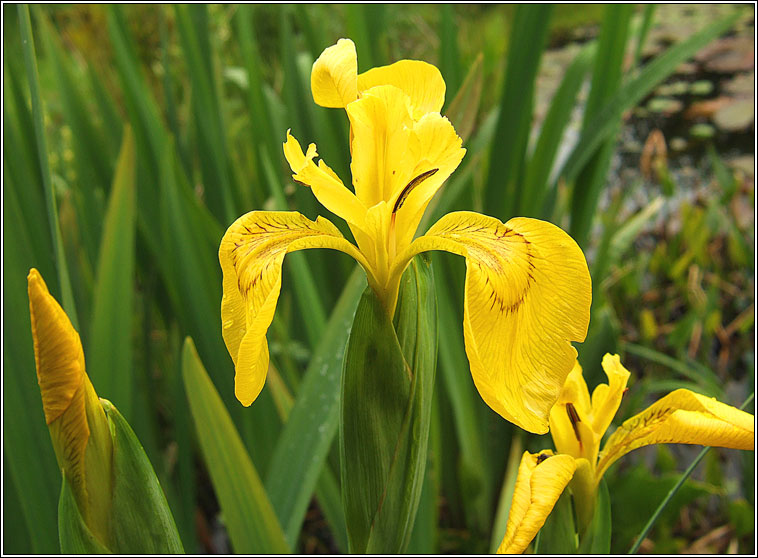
x=665, y=105
x=701, y=87
x=735, y=116
x=702, y=131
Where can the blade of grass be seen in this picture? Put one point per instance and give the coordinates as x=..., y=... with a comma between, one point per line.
x=541, y=162
x=305, y=441
x=450, y=65
x=26, y=441
x=606, y=79
x=109, y=351
x=472, y=465
x=659, y=510
x=192, y=24
x=506, y=492
x=525, y=45
x=30, y=61
x=249, y=517
x=704, y=377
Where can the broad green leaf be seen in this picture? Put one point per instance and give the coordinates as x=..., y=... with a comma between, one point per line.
x=75, y=536
x=192, y=24
x=606, y=78
x=506, y=492
x=109, y=351
x=304, y=443
x=30, y=61
x=28, y=454
x=597, y=539
x=141, y=521
x=534, y=190
x=472, y=466
x=463, y=109
x=385, y=408
x=250, y=520
x=558, y=534
x=527, y=40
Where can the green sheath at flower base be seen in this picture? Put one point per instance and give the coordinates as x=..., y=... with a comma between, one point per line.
x=387, y=387
x=110, y=500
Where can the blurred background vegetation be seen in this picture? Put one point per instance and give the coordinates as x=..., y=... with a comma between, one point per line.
x=631, y=127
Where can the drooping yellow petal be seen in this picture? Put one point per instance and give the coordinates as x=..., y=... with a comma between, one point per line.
x=381, y=122
x=541, y=480
x=334, y=78
x=76, y=420
x=527, y=296
x=607, y=397
x=421, y=81
x=251, y=255
x=681, y=417
x=433, y=146
x=324, y=182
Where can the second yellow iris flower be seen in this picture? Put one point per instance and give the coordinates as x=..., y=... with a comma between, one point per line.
x=527, y=292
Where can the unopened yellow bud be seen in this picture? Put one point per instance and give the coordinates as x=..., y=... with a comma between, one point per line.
x=76, y=420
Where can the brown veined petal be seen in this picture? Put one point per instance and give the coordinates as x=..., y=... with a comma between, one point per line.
x=324, y=182
x=527, y=296
x=381, y=123
x=434, y=147
x=251, y=255
x=421, y=81
x=606, y=398
x=334, y=78
x=681, y=417
x=541, y=480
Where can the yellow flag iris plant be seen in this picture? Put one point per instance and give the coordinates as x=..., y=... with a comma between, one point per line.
x=577, y=425
x=527, y=292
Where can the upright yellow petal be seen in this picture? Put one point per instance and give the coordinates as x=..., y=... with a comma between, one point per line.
x=606, y=398
x=421, y=81
x=541, y=480
x=334, y=78
x=251, y=255
x=527, y=296
x=433, y=147
x=325, y=184
x=381, y=122
x=681, y=417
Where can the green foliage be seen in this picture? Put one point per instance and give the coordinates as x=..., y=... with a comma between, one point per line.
x=198, y=99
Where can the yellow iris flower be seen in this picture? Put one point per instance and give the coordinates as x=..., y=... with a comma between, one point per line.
x=76, y=419
x=527, y=293
x=577, y=425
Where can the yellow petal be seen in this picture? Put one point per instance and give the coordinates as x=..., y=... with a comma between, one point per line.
x=541, y=480
x=606, y=398
x=681, y=417
x=528, y=295
x=421, y=81
x=57, y=350
x=324, y=183
x=251, y=255
x=76, y=420
x=433, y=145
x=334, y=78
x=381, y=122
